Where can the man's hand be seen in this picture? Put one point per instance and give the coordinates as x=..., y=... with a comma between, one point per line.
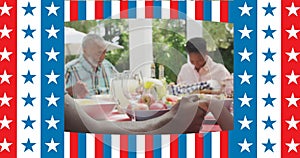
x=80, y=90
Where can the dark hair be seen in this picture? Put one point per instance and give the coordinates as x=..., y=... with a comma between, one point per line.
x=196, y=45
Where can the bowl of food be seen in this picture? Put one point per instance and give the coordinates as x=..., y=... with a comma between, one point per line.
x=102, y=98
x=96, y=110
x=142, y=111
x=141, y=115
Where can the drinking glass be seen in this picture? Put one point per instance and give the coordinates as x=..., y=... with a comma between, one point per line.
x=132, y=88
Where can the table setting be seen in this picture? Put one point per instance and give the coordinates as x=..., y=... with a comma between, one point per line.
x=134, y=97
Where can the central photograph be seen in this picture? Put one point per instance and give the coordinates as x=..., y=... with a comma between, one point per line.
x=148, y=76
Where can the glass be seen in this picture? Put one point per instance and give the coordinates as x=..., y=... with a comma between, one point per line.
x=132, y=87
x=127, y=89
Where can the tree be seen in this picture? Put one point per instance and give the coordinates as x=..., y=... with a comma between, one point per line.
x=169, y=38
x=82, y=26
x=220, y=40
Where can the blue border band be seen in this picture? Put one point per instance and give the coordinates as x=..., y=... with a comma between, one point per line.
x=107, y=146
x=106, y=9
x=182, y=146
x=82, y=10
x=157, y=9
x=47, y=89
x=182, y=9
x=207, y=145
x=132, y=9
x=207, y=10
x=157, y=146
x=237, y=135
x=131, y=146
x=81, y=145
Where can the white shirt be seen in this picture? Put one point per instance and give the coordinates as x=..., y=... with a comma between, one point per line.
x=210, y=71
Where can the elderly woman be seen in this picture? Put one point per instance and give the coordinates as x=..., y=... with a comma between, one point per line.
x=184, y=117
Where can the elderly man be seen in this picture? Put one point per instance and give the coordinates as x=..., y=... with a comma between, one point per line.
x=90, y=73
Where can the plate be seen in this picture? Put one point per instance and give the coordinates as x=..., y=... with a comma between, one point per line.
x=96, y=110
x=142, y=115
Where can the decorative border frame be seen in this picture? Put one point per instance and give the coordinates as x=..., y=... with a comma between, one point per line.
x=265, y=62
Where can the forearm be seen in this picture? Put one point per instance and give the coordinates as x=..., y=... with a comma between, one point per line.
x=185, y=118
x=77, y=120
x=221, y=114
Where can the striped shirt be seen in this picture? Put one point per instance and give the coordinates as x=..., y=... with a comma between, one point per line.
x=97, y=80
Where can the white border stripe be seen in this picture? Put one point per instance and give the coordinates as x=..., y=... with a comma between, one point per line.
x=215, y=145
x=34, y=135
x=165, y=12
x=190, y=145
x=190, y=12
x=263, y=44
x=67, y=11
x=90, y=145
x=67, y=144
x=90, y=10
x=115, y=145
x=140, y=11
x=140, y=146
x=215, y=11
x=115, y=9
x=165, y=146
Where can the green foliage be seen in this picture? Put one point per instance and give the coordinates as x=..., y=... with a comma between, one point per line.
x=169, y=38
x=116, y=31
x=220, y=40
x=168, y=47
x=82, y=26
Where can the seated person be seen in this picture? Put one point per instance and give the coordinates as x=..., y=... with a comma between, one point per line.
x=201, y=66
x=89, y=74
x=184, y=117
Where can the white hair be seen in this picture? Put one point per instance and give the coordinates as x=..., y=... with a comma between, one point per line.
x=92, y=37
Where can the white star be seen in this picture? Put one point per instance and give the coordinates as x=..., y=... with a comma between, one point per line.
x=292, y=55
x=52, y=9
x=52, y=145
x=5, y=54
x=52, y=54
x=293, y=123
x=5, y=100
x=292, y=100
x=245, y=100
x=5, y=145
x=245, y=145
x=52, y=32
x=292, y=146
x=245, y=55
x=52, y=122
x=5, y=32
x=245, y=32
x=245, y=9
x=5, y=123
x=292, y=32
x=245, y=77
x=292, y=77
x=52, y=77
x=5, y=77
x=292, y=9
x=245, y=123
x=5, y=9
x=52, y=100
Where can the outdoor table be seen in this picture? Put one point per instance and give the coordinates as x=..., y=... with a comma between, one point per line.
x=208, y=124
